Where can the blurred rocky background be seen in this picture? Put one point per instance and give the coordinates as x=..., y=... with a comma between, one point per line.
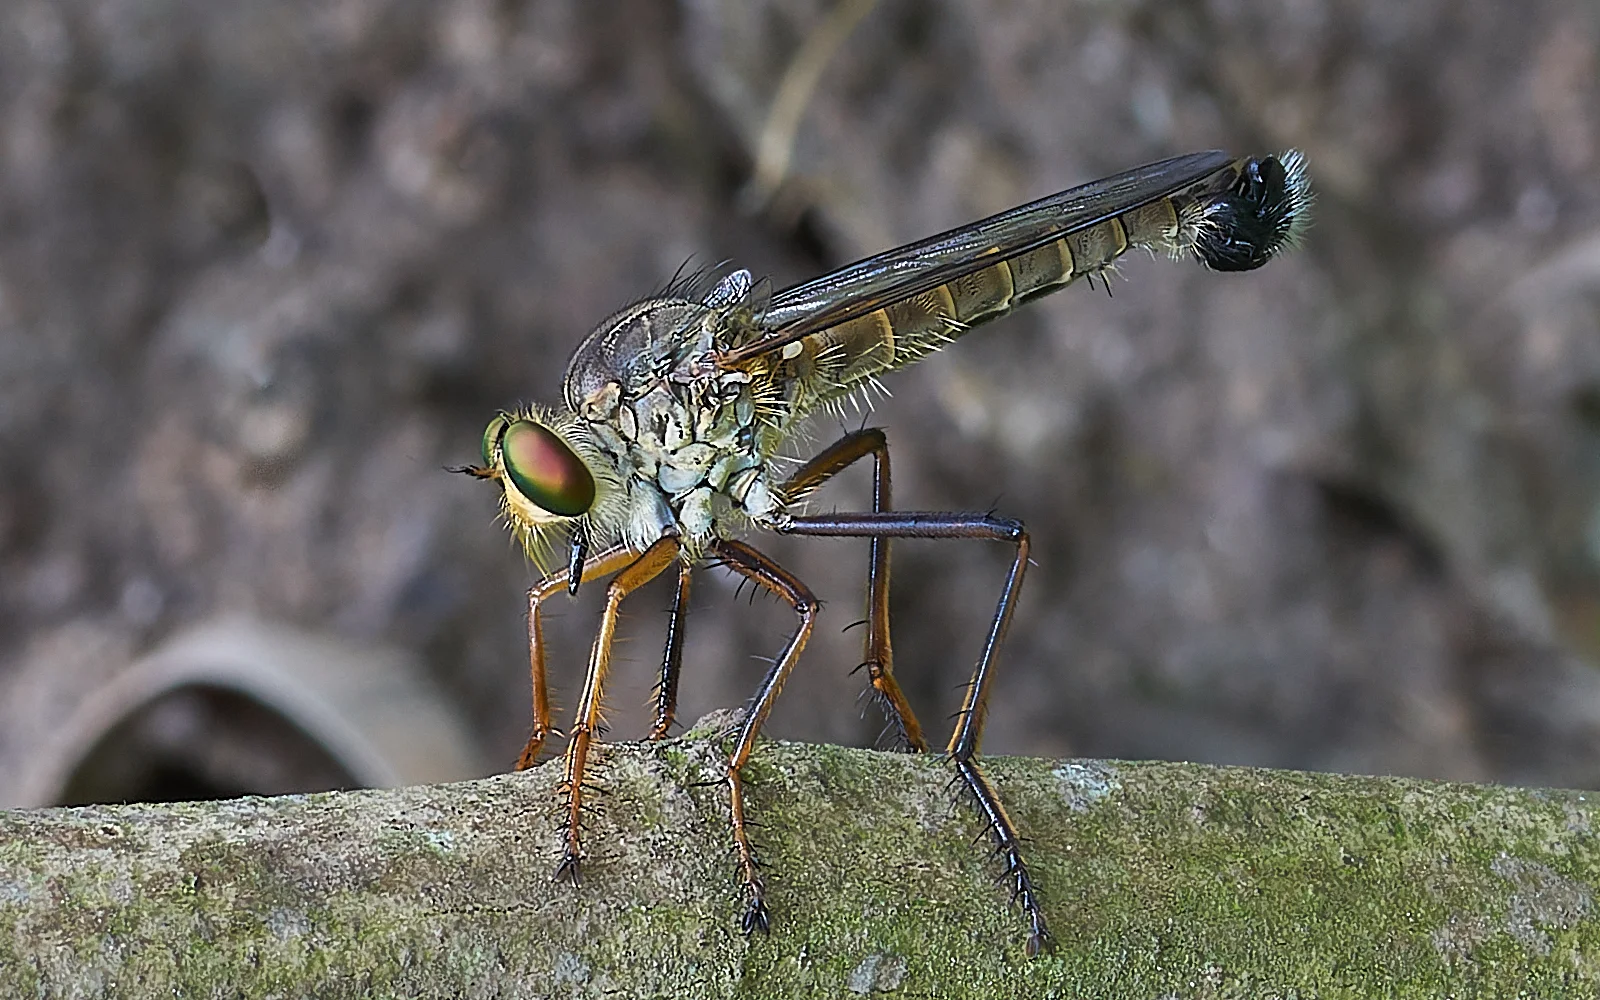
x=266, y=270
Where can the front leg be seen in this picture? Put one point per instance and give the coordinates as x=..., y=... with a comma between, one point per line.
x=606, y=563
x=636, y=574
x=672, y=657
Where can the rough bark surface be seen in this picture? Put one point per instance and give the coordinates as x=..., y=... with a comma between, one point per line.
x=1161, y=880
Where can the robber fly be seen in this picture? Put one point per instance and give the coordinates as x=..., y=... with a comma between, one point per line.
x=668, y=441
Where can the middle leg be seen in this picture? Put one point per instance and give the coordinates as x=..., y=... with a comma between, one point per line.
x=754, y=566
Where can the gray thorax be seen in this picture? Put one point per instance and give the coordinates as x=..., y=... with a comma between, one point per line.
x=679, y=431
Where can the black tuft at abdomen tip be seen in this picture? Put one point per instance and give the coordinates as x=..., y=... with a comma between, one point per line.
x=1258, y=215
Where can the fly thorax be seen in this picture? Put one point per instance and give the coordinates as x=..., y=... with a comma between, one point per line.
x=694, y=443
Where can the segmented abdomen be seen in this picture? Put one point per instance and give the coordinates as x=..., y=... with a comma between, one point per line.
x=835, y=361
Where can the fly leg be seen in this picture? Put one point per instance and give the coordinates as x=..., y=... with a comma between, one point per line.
x=963, y=748
x=672, y=658
x=638, y=572
x=879, y=655
x=754, y=566
x=605, y=563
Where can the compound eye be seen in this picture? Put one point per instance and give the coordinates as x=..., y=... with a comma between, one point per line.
x=491, y=439
x=545, y=470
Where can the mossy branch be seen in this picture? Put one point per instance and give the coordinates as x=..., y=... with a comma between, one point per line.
x=1158, y=879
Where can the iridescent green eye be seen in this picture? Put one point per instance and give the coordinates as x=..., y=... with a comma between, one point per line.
x=545, y=470
x=491, y=439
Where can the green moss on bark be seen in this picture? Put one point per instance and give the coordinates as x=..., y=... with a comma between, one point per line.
x=1158, y=879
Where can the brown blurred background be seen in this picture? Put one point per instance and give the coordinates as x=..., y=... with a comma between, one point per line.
x=267, y=269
